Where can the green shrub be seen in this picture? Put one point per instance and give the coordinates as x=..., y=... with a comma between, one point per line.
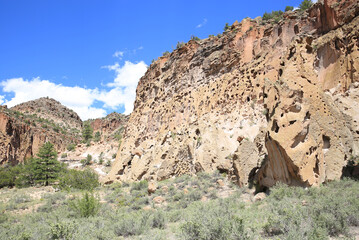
x=86, y=206
x=179, y=45
x=61, y=230
x=327, y=211
x=158, y=220
x=288, y=8
x=56, y=129
x=194, y=195
x=132, y=224
x=108, y=163
x=71, y=147
x=97, y=137
x=138, y=186
x=3, y=217
x=275, y=15
x=64, y=155
x=213, y=221
x=114, y=156
x=21, y=198
x=100, y=158
x=194, y=38
x=87, y=160
x=83, y=180
x=226, y=27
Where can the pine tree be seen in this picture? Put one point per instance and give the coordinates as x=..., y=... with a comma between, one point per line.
x=306, y=4
x=87, y=132
x=45, y=167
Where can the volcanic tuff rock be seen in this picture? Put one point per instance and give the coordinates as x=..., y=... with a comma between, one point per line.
x=265, y=102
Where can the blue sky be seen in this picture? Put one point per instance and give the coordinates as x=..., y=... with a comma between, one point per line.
x=90, y=54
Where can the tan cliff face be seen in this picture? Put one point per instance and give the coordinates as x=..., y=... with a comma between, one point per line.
x=264, y=102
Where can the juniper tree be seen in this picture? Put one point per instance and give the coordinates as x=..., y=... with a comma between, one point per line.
x=45, y=167
x=87, y=132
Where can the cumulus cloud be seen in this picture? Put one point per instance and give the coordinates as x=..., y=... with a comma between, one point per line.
x=204, y=22
x=124, y=85
x=77, y=98
x=120, y=92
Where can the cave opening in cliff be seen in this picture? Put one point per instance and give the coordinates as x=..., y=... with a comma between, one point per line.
x=326, y=142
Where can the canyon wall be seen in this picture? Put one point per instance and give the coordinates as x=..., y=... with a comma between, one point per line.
x=263, y=102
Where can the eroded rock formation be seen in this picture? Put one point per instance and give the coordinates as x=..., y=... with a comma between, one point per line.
x=22, y=135
x=110, y=126
x=265, y=102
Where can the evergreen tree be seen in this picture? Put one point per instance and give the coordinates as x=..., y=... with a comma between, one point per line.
x=305, y=5
x=87, y=132
x=45, y=167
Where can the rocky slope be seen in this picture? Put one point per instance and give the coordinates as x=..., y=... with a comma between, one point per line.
x=264, y=102
x=25, y=127
x=102, y=150
x=21, y=135
x=52, y=110
x=109, y=127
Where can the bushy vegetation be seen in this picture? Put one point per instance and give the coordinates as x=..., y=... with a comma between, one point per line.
x=288, y=8
x=97, y=137
x=86, y=206
x=194, y=208
x=43, y=170
x=226, y=27
x=275, y=15
x=82, y=180
x=46, y=170
x=87, y=160
x=71, y=147
x=195, y=38
x=179, y=45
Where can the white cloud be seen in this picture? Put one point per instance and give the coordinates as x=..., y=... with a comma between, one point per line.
x=118, y=54
x=204, y=22
x=81, y=99
x=77, y=98
x=124, y=85
x=86, y=112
